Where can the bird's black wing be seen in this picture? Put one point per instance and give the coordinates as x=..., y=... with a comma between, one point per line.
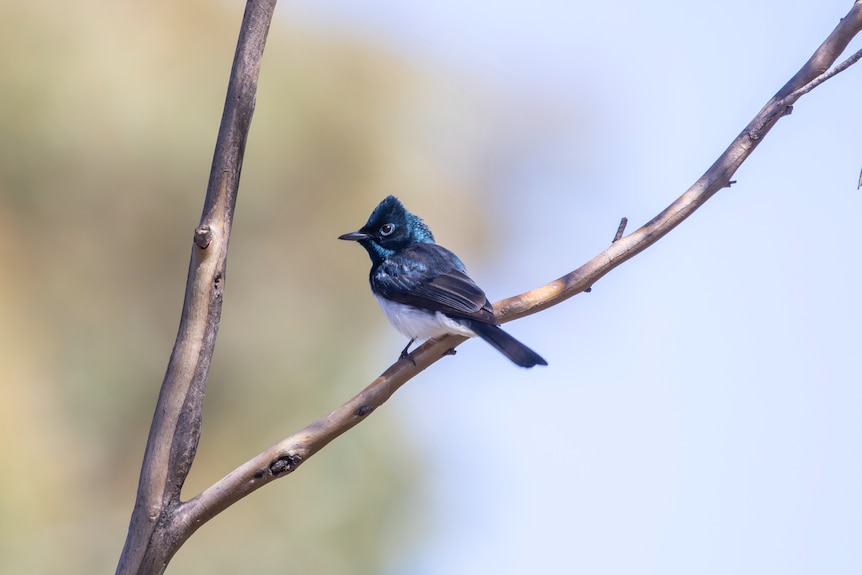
x=431, y=277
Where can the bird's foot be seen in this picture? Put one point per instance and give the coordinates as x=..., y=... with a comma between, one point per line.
x=405, y=354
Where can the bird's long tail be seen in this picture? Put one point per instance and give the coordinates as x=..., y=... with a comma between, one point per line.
x=516, y=351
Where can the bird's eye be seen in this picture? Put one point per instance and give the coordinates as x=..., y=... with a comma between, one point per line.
x=387, y=229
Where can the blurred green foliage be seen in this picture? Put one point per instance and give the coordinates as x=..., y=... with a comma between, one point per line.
x=108, y=120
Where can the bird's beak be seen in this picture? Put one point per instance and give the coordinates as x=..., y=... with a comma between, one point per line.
x=353, y=236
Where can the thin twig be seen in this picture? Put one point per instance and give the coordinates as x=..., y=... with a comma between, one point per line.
x=828, y=74
x=621, y=229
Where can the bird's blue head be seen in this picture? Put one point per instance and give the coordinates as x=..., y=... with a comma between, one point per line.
x=389, y=229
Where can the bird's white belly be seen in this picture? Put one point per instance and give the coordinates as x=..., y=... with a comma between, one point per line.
x=418, y=323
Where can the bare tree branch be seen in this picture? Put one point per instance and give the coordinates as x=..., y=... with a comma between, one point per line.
x=827, y=75
x=153, y=537
x=286, y=455
x=160, y=522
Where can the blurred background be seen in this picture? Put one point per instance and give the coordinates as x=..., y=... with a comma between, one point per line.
x=702, y=411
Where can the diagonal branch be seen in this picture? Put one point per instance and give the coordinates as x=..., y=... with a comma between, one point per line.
x=285, y=456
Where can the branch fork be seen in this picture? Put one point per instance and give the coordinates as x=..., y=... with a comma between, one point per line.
x=161, y=522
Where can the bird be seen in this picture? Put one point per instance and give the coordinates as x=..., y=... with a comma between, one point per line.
x=424, y=289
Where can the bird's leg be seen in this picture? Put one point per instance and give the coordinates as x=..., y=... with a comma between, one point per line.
x=405, y=355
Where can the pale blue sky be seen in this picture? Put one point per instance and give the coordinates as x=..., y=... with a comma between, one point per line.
x=702, y=411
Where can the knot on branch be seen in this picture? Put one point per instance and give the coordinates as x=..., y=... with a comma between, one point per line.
x=284, y=464
x=364, y=410
x=203, y=236
x=759, y=129
x=218, y=285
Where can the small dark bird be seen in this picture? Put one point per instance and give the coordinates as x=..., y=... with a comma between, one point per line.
x=424, y=289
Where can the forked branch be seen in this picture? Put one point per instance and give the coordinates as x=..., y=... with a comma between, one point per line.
x=286, y=455
x=161, y=522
